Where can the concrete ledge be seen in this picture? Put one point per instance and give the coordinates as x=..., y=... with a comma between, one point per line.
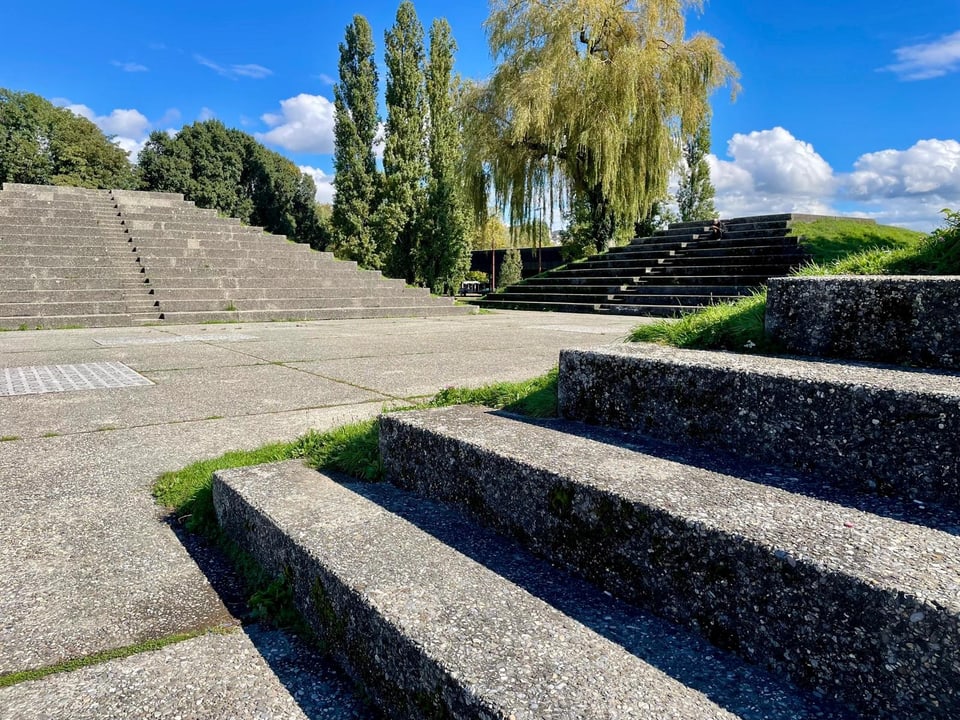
x=907, y=320
x=434, y=631
x=838, y=599
x=892, y=432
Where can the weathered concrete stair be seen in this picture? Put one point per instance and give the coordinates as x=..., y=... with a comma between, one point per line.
x=645, y=277
x=78, y=257
x=438, y=617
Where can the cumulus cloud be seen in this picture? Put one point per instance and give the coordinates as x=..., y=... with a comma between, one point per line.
x=771, y=171
x=130, y=67
x=129, y=128
x=928, y=60
x=205, y=114
x=304, y=124
x=323, y=181
x=121, y=122
x=250, y=70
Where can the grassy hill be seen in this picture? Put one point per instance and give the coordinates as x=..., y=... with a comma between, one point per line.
x=836, y=247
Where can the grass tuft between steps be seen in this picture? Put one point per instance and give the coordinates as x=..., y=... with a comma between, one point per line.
x=842, y=248
x=352, y=449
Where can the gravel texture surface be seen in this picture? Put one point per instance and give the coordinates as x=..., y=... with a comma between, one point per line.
x=890, y=431
x=860, y=606
x=441, y=616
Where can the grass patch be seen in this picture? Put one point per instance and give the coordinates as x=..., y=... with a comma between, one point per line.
x=724, y=326
x=831, y=239
x=352, y=449
x=9, y=438
x=50, y=434
x=8, y=679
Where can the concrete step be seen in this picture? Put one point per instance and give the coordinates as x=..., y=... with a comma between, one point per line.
x=233, y=258
x=33, y=284
x=106, y=271
x=223, y=241
x=8, y=248
x=883, y=430
x=151, y=197
x=706, y=246
x=34, y=322
x=493, y=302
x=721, y=260
x=189, y=225
x=40, y=261
x=291, y=304
x=854, y=605
x=58, y=308
x=705, y=231
x=256, y=293
x=326, y=282
x=59, y=294
x=439, y=618
x=65, y=230
x=342, y=313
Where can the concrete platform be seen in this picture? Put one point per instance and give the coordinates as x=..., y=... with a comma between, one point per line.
x=86, y=561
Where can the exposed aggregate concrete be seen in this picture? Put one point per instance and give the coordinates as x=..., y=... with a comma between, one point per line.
x=437, y=615
x=902, y=319
x=859, y=606
x=893, y=432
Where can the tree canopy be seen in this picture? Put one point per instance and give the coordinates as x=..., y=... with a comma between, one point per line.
x=223, y=168
x=48, y=145
x=696, y=192
x=355, y=129
x=589, y=100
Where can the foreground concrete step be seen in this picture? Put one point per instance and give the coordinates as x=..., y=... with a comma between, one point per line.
x=170, y=285
x=340, y=289
x=857, y=606
x=228, y=260
x=473, y=630
x=41, y=308
x=884, y=430
x=295, y=305
x=906, y=320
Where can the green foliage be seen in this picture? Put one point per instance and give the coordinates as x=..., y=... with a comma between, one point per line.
x=830, y=239
x=226, y=169
x=398, y=218
x=352, y=449
x=47, y=145
x=536, y=397
x=491, y=234
x=511, y=270
x=444, y=251
x=355, y=128
x=734, y=326
x=588, y=98
x=696, y=192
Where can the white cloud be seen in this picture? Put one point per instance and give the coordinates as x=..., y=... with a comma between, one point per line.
x=130, y=67
x=928, y=60
x=771, y=171
x=129, y=128
x=205, y=114
x=323, y=181
x=250, y=70
x=304, y=124
x=326, y=79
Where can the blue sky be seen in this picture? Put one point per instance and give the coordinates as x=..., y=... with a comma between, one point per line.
x=849, y=107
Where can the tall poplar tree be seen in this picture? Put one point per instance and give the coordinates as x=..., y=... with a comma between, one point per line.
x=355, y=128
x=589, y=97
x=398, y=216
x=696, y=192
x=444, y=254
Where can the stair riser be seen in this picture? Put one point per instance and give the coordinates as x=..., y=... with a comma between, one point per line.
x=669, y=263
x=883, y=440
x=824, y=629
x=45, y=309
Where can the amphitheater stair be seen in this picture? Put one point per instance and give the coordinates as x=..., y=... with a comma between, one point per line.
x=740, y=258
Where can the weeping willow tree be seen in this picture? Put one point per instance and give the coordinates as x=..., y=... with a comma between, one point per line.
x=589, y=101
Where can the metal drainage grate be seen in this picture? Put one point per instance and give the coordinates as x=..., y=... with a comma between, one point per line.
x=38, y=379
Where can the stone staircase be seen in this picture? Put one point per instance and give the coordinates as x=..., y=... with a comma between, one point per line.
x=675, y=271
x=77, y=257
x=701, y=535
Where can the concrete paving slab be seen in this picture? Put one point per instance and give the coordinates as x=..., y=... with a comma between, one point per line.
x=178, y=396
x=87, y=563
x=254, y=674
